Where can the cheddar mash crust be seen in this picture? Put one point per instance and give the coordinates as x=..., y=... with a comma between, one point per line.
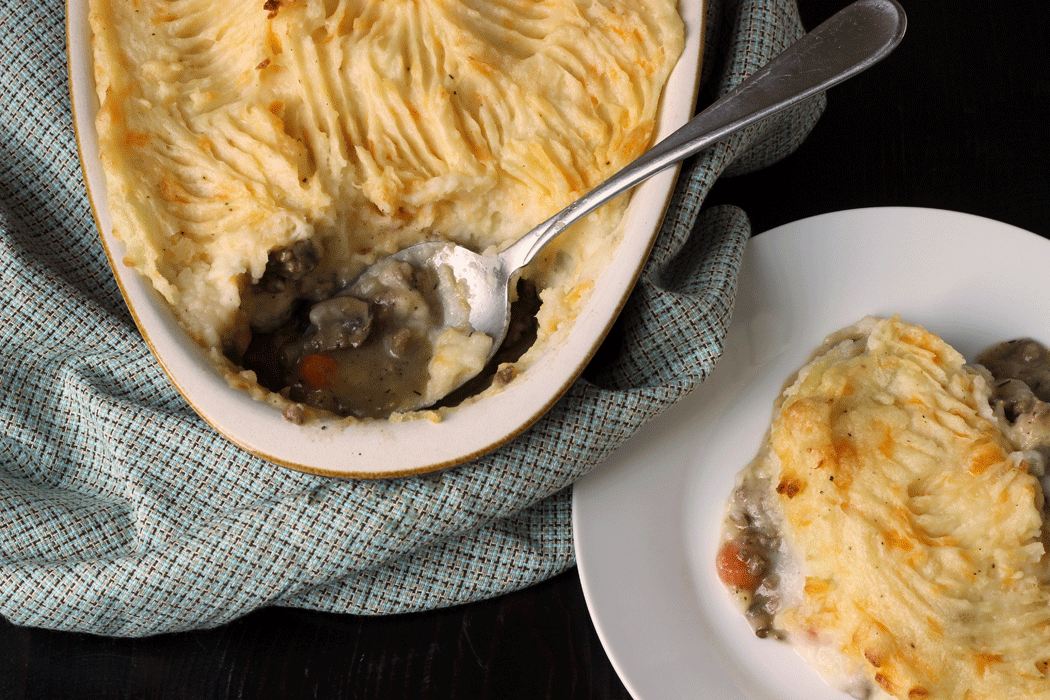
x=231, y=129
x=904, y=532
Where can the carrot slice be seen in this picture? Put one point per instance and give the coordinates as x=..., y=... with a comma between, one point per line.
x=732, y=568
x=318, y=370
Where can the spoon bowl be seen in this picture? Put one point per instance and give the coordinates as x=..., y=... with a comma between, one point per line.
x=484, y=283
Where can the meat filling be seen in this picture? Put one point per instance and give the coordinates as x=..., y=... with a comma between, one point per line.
x=362, y=351
x=746, y=563
x=362, y=345
x=1021, y=391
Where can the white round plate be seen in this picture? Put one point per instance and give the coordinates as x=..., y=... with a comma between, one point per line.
x=380, y=448
x=646, y=523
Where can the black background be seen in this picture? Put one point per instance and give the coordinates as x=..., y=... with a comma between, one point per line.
x=955, y=118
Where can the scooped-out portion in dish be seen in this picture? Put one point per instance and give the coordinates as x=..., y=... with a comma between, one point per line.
x=260, y=155
x=892, y=528
x=379, y=346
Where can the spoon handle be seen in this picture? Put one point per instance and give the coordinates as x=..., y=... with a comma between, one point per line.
x=849, y=42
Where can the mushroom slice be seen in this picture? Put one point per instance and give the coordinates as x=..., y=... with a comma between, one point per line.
x=339, y=323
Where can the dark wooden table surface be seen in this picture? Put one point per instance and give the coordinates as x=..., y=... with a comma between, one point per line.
x=955, y=119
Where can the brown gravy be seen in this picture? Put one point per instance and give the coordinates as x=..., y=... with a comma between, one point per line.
x=365, y=355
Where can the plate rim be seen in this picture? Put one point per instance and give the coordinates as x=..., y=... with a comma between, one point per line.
x=594, y=489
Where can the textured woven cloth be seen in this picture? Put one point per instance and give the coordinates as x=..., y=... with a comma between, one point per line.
x=123, y=513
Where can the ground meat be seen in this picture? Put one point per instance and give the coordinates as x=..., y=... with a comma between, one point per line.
x=286, y=265
x=294, y=414
x=504, y=375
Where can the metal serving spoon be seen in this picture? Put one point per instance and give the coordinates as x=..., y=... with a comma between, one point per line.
x=849, y=42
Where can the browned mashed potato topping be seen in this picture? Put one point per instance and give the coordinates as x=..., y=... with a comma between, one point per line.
x=893, y=527
x=258, y=155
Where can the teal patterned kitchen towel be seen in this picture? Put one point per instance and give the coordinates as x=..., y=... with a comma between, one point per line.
x=123, y=513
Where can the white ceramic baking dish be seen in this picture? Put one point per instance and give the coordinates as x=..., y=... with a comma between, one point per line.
x=378, y=448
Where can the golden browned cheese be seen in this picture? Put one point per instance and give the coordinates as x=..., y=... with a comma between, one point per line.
x=230, y=128
x=917, y=526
